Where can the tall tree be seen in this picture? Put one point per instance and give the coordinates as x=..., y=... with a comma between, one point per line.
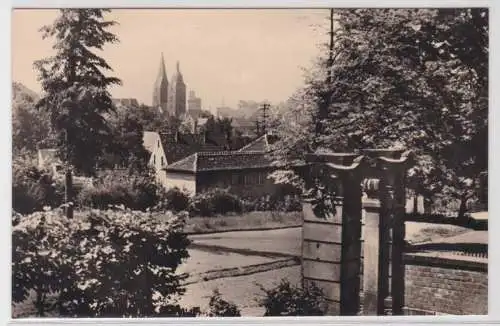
x=75, y=89
x=408, y=77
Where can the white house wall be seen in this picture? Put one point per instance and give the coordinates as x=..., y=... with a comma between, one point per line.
x=186, y=182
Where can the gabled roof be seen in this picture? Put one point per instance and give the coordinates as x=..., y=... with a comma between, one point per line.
x=261, y=144
x=150, y=139
x=177, y=146
x=219, y=161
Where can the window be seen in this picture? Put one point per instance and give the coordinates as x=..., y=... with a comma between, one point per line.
x=162, y=163
x=261, y=178
x=235, y=179
x=154, y=159
x=158, y=144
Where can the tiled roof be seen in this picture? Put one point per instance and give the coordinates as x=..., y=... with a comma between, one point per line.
x=261, y=144
x=180, y=145
x=216, y=161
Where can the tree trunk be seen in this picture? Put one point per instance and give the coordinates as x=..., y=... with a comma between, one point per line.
x=69, y=193
x=40, y=303
x=415, y=203
x=463, y=208
x=427, y=205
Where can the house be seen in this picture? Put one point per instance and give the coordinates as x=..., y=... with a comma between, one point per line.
x=194, y=124
x=261, y=144
x=47, y=159
x=244, y=173
x=245, y=126
x=167, y=148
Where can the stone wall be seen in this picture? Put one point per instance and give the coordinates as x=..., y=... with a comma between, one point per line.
x=437, y=285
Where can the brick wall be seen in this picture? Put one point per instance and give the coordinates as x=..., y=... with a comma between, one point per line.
x=436, y=285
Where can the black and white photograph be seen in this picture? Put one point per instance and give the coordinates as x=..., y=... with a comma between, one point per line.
x=249, y=162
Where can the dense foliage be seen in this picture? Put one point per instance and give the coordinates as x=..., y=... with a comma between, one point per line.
x=214, y=202
x=289, y=300
x=101, y=263
x=175, y=200
x=30, y=127
x=222, y=201
x=75, y=90
x=416, y=78
x=135, y=191
x=33, y=188
x=218, y=307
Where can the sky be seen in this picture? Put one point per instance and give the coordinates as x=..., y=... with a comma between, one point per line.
x=224, y=55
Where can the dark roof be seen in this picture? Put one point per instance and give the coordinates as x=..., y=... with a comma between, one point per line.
x=217, y=161
x=261, y=144
x=180, y=145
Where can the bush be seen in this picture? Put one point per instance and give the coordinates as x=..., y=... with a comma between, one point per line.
x=288, y=300
x=137, y=192
x=219, y=307
x=286, y=203
x=33, y=188
x=99, y=264
x=215, y=202
x=174, y=200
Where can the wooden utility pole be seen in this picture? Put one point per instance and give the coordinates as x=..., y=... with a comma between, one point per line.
x=265, y=115
x=330, y=54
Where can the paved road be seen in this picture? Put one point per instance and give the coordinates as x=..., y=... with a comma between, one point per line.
x=243, y=290
x=288, y=241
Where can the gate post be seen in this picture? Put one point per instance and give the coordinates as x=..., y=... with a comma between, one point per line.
x=394, y=169
x=375, y=258
x=391, y=166
x=331, y=247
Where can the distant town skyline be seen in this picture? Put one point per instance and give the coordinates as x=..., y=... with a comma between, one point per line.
x=225, y=55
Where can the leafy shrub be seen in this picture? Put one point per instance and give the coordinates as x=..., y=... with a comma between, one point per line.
x=33, y=188
x=288, y=300
x=215, y=202
x=286, y=203
x=175, y=200
x=99, y=264
x=219, y=307
x=137, y=192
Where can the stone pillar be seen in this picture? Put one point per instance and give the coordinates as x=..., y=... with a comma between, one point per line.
x=390, y=166
x=331, y=249
x=394, y=169
x=375, y=258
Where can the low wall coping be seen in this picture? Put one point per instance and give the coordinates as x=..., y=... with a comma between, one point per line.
x=450, y=261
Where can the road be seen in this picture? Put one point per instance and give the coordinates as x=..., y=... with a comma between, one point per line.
x=240, y=249
x=288, y=241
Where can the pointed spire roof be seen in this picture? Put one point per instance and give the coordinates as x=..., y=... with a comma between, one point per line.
x=178, y=75
x=162, y=72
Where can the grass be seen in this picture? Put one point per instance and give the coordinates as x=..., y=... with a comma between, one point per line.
x=434, y=232
x=245, y=221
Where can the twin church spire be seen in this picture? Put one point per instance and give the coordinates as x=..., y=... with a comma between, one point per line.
x=168, y=97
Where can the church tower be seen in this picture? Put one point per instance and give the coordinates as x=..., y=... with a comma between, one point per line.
x=160, y=91
x=177, y=95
